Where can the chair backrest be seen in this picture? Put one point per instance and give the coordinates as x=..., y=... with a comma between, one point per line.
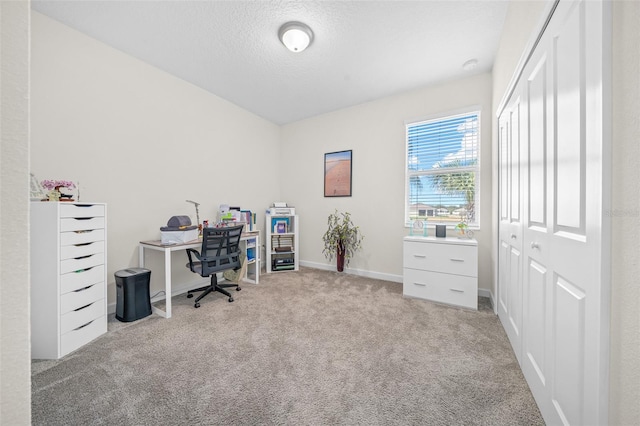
x=220, y=249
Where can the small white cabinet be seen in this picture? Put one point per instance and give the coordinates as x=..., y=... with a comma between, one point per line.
x=68, y=276
x=443, y=270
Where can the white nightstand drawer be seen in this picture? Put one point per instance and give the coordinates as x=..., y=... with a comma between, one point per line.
x=85, y=277
x=81, y=297
x=70, y=265
x=81, y=224
x=81, y=210
x=80, y=237
x=443, y=288
x=82, y=335
x=82, y=315
x=79, y=250
x=447, y=258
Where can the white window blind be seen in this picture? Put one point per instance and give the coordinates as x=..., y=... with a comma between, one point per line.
x=443, y=170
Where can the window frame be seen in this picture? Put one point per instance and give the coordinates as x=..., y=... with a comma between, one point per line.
x=472, y=110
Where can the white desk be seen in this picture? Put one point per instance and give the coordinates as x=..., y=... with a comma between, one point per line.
x=156, y=245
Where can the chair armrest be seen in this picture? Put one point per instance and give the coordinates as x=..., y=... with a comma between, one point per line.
x=191, y=262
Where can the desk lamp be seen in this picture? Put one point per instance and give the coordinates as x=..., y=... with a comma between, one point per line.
x=197, y=217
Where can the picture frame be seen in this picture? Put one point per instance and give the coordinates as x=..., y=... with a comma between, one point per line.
x=281, y=227
x=338, y=173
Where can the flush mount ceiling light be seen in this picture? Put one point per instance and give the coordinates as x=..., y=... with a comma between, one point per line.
x=470, y=64
x=296, y=36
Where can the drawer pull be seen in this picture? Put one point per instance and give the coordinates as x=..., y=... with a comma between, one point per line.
x=456, y=290
x=83, y=270
x=84, y=307
x=83, y=257
x=83, y=288
x=420, y=284
x=421, y=256
x=82, y=218
x=453, y=259
x=83, y=326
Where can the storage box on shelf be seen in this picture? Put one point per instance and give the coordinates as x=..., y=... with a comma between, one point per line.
x=68, y=276
x=441, y=269
x=282, y=243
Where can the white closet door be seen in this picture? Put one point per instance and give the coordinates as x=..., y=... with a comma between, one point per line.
x=563, y=341
x=510, y=254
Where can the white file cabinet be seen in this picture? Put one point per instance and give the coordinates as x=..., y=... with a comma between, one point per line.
x=68, y=276
x=443, y=270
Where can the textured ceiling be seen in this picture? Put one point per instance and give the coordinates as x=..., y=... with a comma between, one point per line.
x=362, y=50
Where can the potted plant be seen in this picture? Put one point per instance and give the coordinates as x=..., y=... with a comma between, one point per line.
x=342, y=238
x=462, y=228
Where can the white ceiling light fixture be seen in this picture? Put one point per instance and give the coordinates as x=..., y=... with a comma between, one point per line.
x=296, y=36
x=470, y=64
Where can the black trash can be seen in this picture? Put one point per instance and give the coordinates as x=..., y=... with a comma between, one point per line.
x=132, y=293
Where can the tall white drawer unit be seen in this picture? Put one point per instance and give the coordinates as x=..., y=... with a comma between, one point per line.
x=68, y=276
x=444, y=270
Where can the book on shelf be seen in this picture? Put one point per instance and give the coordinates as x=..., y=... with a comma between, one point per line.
x=249, y=218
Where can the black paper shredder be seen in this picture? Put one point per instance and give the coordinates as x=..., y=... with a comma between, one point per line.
x=132, y=293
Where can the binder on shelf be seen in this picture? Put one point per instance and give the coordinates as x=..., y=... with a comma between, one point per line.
x=251, y=254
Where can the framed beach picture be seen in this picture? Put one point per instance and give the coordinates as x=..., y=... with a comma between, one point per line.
x=337, y=174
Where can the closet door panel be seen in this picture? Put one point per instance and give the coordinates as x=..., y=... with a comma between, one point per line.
x=514, y=162
x=503, y=291
x=510, y=286
x=536, y=278
x=535, y=341
x=536, y=145
x=574, y=279
x=569, y=165
x=568, y=351
x=515, y=292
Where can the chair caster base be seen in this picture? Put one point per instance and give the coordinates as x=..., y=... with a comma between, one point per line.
x=189, y=296
x=238, y=289
x=230, y=299
x=197, y=305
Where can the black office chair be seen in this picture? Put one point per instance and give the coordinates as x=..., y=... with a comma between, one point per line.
x=220, y=252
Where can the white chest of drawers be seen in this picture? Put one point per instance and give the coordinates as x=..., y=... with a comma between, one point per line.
x=444, y=270
x=68, y=276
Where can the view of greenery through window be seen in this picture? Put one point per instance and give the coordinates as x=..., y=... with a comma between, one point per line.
x=443, y=169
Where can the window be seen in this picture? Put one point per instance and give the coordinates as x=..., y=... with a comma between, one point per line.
x=443, y=170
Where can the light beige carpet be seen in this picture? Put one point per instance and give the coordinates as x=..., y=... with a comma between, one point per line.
x=301, y=348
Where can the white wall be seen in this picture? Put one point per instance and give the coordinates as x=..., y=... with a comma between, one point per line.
x=624, y=406
x=521, y=19
x=15, y=365
x=375, y=131
x=142, y=141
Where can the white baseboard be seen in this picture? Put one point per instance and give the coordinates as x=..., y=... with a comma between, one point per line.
x=359, y=272
x=380, y=276
x=177, y=289
x=483, y=292
x=180, y=289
